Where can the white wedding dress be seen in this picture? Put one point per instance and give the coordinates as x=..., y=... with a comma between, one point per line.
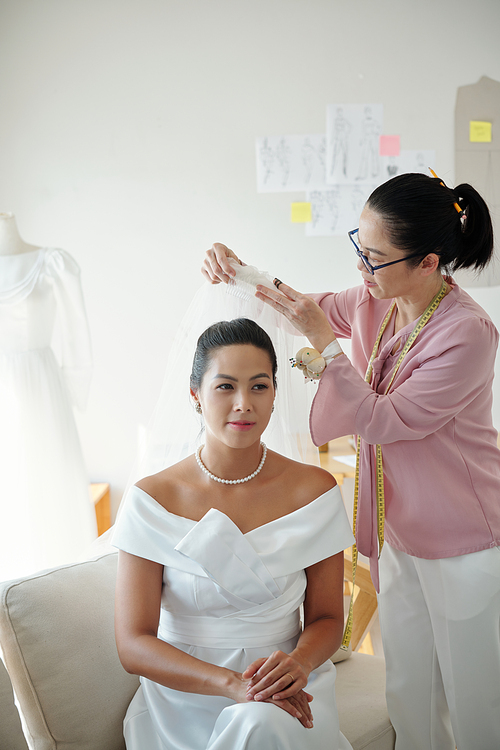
x=46, y=517
x=230, y=598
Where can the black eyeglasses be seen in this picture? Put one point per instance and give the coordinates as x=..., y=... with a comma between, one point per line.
x=371, y=269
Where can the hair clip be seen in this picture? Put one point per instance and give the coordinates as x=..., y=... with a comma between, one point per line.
x=463, y=219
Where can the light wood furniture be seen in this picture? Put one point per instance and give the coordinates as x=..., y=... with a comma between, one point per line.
x=365, y=600
x=102, y=505
x=329, y=461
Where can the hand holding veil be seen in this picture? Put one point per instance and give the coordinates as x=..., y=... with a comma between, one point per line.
x=176, y=430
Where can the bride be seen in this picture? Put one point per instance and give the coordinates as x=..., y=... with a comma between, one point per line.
x=217, y=553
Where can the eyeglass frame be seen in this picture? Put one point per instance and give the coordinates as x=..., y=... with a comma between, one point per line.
x=371, y=269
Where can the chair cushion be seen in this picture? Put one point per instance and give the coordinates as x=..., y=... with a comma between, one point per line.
x=11, y=733
x=360, y=692
x=57, y=638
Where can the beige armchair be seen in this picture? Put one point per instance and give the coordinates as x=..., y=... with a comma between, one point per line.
x=57, y=641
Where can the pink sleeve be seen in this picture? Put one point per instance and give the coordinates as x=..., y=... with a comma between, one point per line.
x=432, y=386
x=339, y=308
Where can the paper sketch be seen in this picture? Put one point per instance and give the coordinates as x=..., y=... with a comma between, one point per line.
x=407, y=161
x=352, y=143
x=336, y=210
x=340, y=131
x=289, y=163
x=369, y=161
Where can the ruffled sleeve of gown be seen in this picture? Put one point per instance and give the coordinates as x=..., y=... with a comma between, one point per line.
x=76, y=350
x=13, y=289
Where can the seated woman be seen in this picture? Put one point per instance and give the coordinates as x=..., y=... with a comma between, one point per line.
x=217, y=553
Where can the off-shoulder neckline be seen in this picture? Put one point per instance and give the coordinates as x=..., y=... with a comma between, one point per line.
x=246, y=533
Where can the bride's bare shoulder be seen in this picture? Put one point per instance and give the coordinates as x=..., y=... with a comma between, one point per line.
x=304, y=481
x=166, y=485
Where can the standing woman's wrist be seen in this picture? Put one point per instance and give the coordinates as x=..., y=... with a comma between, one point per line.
x=322, y=339
x=331, y=351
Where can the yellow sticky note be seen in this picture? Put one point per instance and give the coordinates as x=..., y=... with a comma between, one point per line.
x=479, y=132
x=301, y=213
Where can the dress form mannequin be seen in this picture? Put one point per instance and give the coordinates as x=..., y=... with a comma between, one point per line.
x=11, y=242
x=46, y=517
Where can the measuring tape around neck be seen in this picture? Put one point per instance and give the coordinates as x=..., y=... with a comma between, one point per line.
x=379, y=468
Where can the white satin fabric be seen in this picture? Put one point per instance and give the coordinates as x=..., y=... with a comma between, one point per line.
x=46, y=517
x=230, y=598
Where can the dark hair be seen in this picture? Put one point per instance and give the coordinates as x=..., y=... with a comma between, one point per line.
x=229, y=333
x=420, y=218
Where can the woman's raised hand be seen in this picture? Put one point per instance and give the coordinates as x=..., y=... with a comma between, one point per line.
x=304, y=314
x=215, y=266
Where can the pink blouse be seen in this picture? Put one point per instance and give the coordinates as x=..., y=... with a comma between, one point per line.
x=440, y=456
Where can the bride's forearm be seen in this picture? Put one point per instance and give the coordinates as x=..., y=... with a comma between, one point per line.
x=148, y=656
x=141, y=652
x=318, y=641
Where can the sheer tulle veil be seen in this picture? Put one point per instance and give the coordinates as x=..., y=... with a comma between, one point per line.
x=176, y=430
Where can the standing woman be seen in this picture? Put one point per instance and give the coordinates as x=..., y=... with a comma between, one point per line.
x=418, y=395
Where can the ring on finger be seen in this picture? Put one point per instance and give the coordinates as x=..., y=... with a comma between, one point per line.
x=291, y=677
x=277, y=283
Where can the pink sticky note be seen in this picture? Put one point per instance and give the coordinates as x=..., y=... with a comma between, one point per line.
x=389, y=145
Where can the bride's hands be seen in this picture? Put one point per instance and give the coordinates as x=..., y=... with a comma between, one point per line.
x=215, y=267
x=304, y=314
x=296, y=705
x=279, y=676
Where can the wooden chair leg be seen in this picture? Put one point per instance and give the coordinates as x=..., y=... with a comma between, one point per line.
x=365, y=601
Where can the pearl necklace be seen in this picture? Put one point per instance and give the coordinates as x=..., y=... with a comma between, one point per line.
x=230, y=481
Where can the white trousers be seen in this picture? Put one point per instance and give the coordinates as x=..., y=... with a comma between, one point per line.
x=440, y=624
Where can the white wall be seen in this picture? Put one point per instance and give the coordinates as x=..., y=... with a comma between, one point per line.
x=127, y=135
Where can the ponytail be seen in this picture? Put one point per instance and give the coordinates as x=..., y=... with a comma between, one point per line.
x=420, y=216
x=476, y=247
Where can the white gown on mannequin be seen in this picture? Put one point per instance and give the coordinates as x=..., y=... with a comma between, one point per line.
x=230, y=598
x=46, y=517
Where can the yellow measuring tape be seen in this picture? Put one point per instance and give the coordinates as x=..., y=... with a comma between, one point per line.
x=379, y=476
